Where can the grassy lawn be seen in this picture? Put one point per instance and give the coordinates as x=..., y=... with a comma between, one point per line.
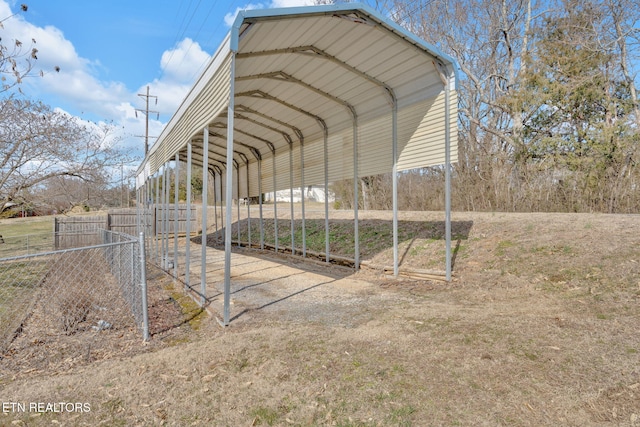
x=539, y=327
x=18, y=280
x=25, y=235
x=21, y=226
x=18, y=283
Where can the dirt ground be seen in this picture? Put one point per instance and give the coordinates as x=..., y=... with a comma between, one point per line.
x=538, y=327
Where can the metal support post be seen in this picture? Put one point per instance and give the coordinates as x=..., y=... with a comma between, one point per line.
x=356, y=196
x=238, y=201
x=145, y=212
x=394, y=171
x=138, y=216
x=447, y=177
x=205, y=212
x=187, y=250
x=155, y=219
x=275, y=202
x=165, y=216
x=260, y=203
x=148, y=232
x=221, y=200
x=215, y=203
x=293, y=231
x=175, y=217
x=302, y=191
x=229, y=194
x=326, y=194
x=163, y=191
x=248, y=206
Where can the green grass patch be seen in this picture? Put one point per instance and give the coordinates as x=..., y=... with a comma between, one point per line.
x=21, y=227
x=375, y=236
x=503, y=245
x=18, y=283
x=552, y=250
x=22, y=274
x=264, y=416
x=193, y=313
x=401, y=416
x=22, y=236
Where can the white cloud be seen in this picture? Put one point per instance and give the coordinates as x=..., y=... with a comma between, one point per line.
x=181, y=63
x=181, y=67
x=79, y=86
x=85, y=92
x=52, y=48
x=76, y=82
x=230, y=17
x=81, y=89
x=170, y=95
x=291, y=3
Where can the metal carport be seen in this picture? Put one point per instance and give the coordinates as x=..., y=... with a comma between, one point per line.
x=307, y=96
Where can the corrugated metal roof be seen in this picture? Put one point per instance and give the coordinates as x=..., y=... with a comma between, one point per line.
x=300, y=69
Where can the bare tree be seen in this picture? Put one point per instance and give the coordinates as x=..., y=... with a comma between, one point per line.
x=549, y=115
x=490, y=40
x=17, y=59
x=38, y=144
x=620, y=33
x=514, y=149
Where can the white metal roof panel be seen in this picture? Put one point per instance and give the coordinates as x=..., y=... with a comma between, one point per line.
x=299, y=69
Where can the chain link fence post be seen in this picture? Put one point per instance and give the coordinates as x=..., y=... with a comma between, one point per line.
x=143, y=286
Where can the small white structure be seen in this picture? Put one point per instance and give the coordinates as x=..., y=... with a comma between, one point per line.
x=311, y=194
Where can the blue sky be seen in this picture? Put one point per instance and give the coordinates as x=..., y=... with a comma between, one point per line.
x=109, y=51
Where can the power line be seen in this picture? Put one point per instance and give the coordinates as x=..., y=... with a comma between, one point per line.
x=146, y=112
x=180, y=35
x=195, y=38
x=213, y=33
x=401, y=18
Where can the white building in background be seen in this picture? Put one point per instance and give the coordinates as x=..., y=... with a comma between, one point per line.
x=311, y=194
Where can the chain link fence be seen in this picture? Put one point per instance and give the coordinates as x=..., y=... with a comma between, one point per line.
x=11, y=246
x=75, y=291
x=30, y=244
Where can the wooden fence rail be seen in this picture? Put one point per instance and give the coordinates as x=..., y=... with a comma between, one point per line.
x=78, y=231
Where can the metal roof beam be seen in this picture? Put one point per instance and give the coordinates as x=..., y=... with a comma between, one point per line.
x=200, y=157
x=282, y=76
x=246, y=109
x=263, y=95
x=250, y=147
x=239, y=153
x=244, y=158
x=235, y=141
x=319, y=53
x=223, y=155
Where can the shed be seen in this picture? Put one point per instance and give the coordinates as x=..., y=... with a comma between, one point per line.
x=305, y=96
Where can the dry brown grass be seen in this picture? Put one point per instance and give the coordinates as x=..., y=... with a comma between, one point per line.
x=540, y=327
x=72, y=309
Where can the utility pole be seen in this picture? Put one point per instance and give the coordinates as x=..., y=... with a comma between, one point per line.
x=121, y=184
x=146, y=112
